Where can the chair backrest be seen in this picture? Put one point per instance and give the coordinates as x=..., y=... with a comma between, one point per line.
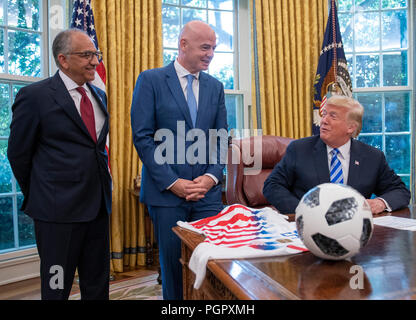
x=250, y=162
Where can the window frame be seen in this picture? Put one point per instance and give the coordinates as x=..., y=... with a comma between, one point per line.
x=22, y=262
x=12, y=80
x=43, y=32
x=411, y=49
x=241, y=62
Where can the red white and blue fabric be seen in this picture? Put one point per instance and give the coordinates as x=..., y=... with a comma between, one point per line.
x=242, y=232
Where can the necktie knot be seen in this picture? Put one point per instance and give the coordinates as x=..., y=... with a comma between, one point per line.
x=335, y=170
x=190, y=78
x=82, y=91
x=335, y=152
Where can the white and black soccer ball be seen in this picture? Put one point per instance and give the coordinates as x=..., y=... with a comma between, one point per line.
x=334, y=221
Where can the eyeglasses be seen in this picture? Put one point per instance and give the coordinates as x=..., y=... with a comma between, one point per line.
x=89, y=54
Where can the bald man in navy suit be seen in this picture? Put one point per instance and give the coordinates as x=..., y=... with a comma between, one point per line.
x=180, y=100
x=308, y=163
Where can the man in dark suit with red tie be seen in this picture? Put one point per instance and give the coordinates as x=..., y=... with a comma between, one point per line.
x=57, y=154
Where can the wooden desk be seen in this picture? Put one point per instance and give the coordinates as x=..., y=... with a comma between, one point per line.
x=388, y=262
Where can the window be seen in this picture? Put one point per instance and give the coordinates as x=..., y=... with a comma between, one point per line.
x=16, y=228
x=228, y=66
x=376, y=36
x=21, y=33
x=22, y=43
x=24, y=58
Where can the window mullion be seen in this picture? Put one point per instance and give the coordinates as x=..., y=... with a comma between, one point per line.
x=5, y=39
x=383, y=123
x=15, y=221
x=13, y=195
x=44, y=47
x=12, y=80
x=236, y=43
x=380, y=48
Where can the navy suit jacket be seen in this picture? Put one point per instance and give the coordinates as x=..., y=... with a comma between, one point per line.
x=161, y=125
x=62, y=172
x=305, y=165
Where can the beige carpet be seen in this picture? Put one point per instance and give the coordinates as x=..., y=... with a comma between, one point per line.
x=143, y=288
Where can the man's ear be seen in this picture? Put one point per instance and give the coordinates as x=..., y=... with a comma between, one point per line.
x=352, y=127
x=63, y=61
x=183, y=44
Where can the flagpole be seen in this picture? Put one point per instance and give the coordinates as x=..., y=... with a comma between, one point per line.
x=334, y=40
x=85, y=15
x=327, y=80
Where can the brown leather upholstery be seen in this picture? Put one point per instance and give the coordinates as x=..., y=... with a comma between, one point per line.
x=246, y=173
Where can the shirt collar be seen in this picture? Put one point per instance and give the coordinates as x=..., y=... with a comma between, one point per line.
x=182, y=72
x=71, y=84
x=343, y=150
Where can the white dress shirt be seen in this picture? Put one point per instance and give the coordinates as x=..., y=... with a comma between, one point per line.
x=72, y=86
x=344, y=158
x=182, y=73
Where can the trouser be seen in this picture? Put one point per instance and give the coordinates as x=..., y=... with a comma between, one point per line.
x=65, y=247
x=164, y=219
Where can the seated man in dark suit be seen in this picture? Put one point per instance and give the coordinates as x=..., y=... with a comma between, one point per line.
x=334, y=156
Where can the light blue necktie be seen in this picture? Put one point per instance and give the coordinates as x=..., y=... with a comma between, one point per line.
x=191, y=99
x=335, y=170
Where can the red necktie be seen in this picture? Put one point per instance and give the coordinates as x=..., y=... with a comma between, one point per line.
x=87, y=113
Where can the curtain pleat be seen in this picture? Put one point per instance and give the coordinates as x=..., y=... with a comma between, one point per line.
x=289, y=36
x=130, y=35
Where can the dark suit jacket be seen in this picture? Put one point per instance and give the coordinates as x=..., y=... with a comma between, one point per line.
x=305, y=166
x=62, y=172
x=159, y=105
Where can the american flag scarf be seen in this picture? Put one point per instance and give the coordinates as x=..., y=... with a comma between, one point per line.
x=242, y=232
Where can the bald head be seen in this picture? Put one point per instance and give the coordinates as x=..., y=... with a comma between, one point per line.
x=194, y=29
x=197, y=42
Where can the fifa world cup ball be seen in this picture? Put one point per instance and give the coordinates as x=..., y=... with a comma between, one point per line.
x=334, y=221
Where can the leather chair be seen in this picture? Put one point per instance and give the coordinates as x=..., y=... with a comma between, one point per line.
x=246, y=173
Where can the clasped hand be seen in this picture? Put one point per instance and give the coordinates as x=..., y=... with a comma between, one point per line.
x=193, y=190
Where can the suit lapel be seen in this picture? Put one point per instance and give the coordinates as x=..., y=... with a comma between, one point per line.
x=99, y=99
x=177, y=93
x=100, y=102
x=354, y=167
x=64, y=99
x=203, y=98
x=320, y=157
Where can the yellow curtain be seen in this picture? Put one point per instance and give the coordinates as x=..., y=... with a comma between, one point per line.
x=287, y=38
x=130, y=35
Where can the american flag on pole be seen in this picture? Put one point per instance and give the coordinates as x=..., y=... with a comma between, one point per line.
x=83, y=18
x=239, y=232
x=332, y=73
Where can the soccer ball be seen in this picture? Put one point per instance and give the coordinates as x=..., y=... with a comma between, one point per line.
x=334, y=221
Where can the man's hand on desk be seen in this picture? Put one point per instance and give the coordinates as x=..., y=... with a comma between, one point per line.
x=377, y=205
